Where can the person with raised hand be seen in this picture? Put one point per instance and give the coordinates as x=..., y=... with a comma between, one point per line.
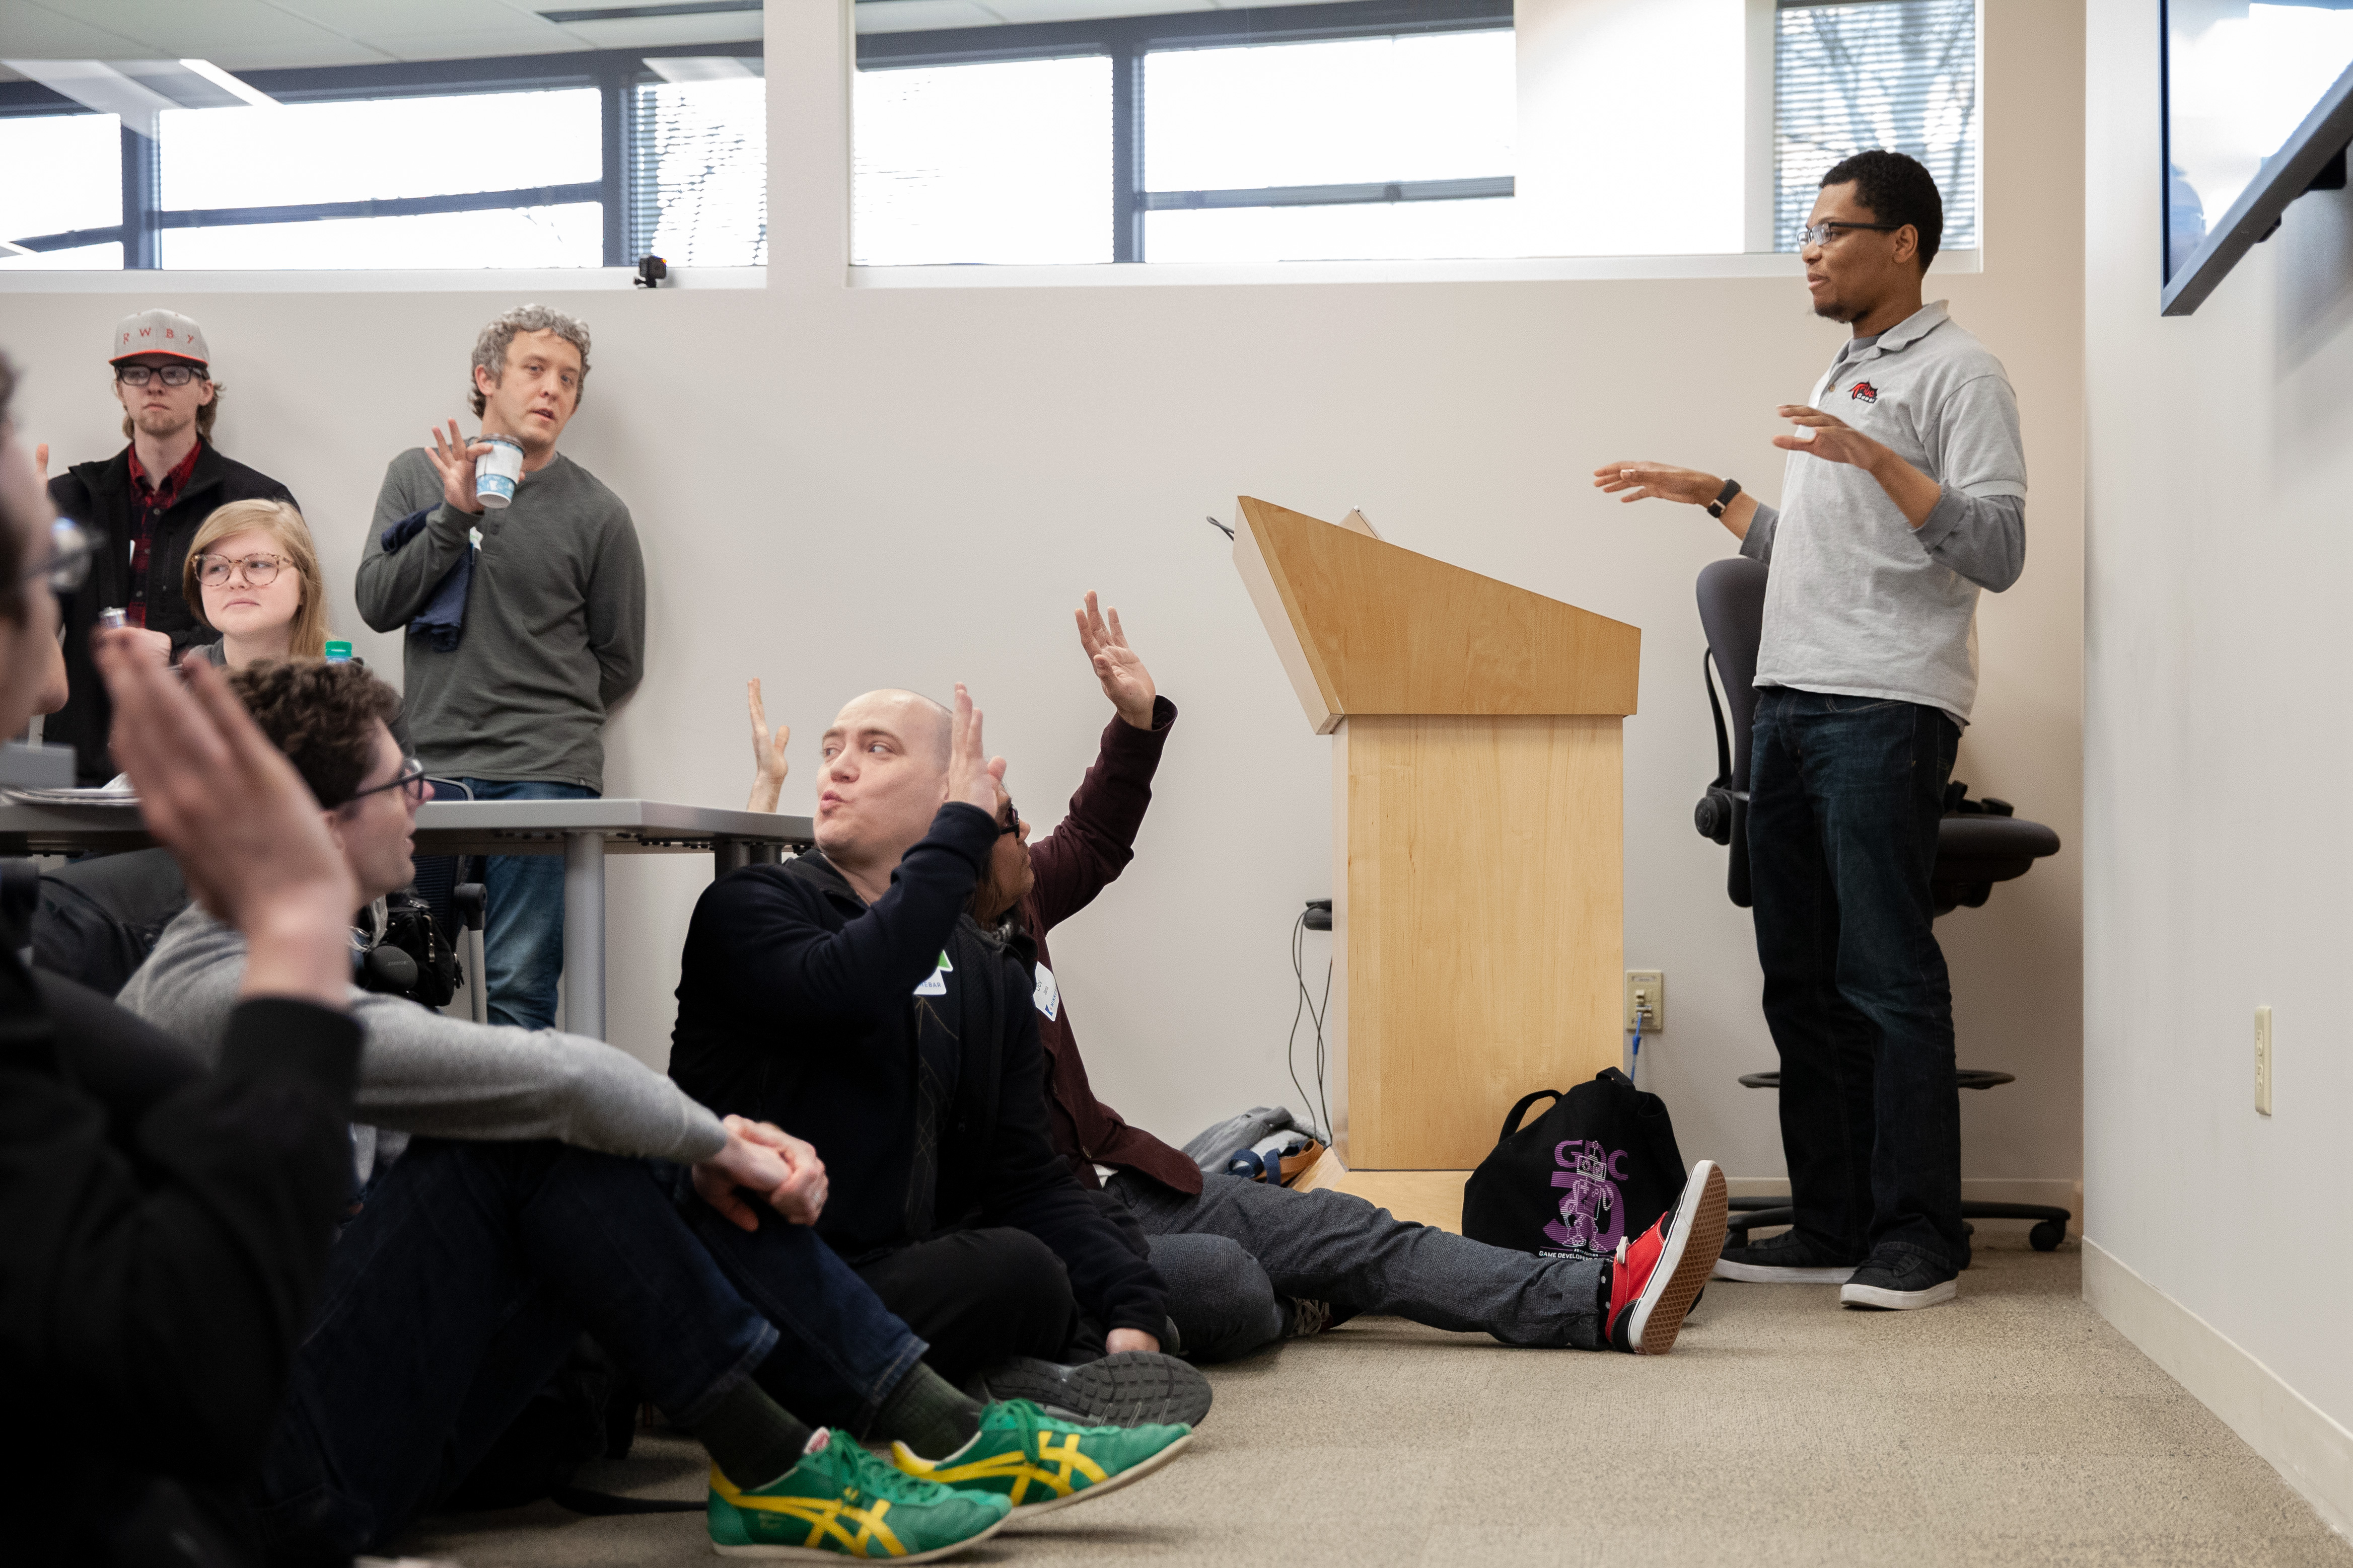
x=167, y=1227
x=848, y=997
x=768, y=764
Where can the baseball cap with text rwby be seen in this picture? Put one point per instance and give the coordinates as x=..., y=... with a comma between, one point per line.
x=158, y=332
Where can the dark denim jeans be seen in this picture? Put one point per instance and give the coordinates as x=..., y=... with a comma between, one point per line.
x=523, y=927
x=1844, y=796
x=843, y=1351
x=453, y=1298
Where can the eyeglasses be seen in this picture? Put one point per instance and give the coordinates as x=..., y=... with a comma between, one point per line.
x=67, y=567
x=411, y=778
x=1012, y=823
x=1817, y=233
x=260, y=571
x=173, y=375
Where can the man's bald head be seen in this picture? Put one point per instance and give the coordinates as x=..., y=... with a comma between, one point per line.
x=885, y=762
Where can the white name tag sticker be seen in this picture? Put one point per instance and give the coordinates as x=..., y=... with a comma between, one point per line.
x=936, y=983
x=474, y=537
x=1049, y=996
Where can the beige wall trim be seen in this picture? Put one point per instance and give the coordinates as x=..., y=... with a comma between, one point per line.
x=2311, y=1451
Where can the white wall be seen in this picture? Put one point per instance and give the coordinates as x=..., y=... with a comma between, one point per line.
x=2216, y=745
x=846, y=486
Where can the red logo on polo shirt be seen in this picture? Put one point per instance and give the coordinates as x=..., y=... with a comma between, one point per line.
x=1864, y=392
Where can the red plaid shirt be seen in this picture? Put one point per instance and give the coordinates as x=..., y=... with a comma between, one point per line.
x=153, y=500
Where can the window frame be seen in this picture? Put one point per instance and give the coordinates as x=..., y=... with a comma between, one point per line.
x=1127, y=41
x=615, y=74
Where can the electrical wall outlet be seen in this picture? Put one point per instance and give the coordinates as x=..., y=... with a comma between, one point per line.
x=1646, y=1001
x=2263, y=1061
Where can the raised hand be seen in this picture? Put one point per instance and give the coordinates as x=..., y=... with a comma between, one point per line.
x=973, y=776
x=245, y=831
x=1825, y=436
x=1124, y=680
x=454, y=461
x=1660, y=481
x=768, y=764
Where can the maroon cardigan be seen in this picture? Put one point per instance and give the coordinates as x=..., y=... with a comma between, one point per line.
x=1081, y=857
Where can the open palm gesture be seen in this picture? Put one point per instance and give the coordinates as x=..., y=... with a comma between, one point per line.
x=1124, y=680
x=767, y=755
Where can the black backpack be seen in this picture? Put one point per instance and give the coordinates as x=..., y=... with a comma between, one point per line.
x=412, y=959
x=1598, y=1168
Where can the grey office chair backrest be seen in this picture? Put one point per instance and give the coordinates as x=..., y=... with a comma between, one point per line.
x=1732, y=612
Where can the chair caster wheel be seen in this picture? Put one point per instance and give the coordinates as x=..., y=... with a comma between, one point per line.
x=2047, y=1235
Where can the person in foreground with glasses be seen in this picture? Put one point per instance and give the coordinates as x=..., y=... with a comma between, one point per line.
x=142, y=508
x=517, y=1220
x=1903, y=497
x=166, y=1226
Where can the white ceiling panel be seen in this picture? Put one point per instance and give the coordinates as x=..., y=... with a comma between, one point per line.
x=202, y=28
x=922, y=15
x=42, y=32
x=441, y=44
x=652, y=32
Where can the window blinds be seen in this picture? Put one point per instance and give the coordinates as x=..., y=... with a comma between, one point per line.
x=1899, y=74
x=698, y=180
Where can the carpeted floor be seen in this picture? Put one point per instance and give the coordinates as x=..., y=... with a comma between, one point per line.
x=2014, y=1427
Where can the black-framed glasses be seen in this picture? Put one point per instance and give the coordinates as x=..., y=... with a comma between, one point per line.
x=1823, y=232
x=260, y=571
x=67, y=567
x=411, y=778
x=1012, y=823
x=173, y=375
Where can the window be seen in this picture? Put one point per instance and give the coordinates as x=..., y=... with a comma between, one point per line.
x=1875, y=73
x=698, y=172
x=472, y=162
x=1352, y=129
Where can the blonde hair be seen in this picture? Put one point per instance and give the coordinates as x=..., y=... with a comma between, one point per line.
x=282, y=522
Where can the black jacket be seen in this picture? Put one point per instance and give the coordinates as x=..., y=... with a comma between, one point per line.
x=796, y=1005
x=166, y=1232
x=101, y=496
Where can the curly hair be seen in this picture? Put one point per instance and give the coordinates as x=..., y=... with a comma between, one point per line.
x=1895, y=188
x=490, y=347
x=322, y=716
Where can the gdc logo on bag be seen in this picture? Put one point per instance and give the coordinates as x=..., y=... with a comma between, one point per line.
x=1598, y=1166
x=1592, y=1217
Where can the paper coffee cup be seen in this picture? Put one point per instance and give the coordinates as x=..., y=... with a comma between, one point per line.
x=496, y=472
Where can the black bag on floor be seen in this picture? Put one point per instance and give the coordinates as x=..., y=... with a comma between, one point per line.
x=1599, y=1167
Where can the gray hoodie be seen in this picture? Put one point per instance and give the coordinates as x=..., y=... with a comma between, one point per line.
x=421, y=1071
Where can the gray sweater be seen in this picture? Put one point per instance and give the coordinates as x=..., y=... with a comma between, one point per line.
x=421, y=1071
x=556, y=622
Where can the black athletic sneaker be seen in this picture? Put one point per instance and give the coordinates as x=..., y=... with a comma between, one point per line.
x=1788, y=1258
x=1898, y=1282
x=1134, y=1388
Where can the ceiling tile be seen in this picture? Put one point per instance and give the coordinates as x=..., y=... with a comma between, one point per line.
x=199, y=28
x=651, y=32
x=43, y=32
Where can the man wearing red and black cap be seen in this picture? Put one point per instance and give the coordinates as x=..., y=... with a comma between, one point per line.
x=144, y=506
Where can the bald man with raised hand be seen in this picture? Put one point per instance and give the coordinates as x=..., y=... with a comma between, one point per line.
x=848, y=996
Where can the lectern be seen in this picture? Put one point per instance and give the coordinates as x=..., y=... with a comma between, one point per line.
x=1478, y=843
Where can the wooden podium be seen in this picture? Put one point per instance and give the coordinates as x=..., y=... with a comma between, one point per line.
x=1478, y=839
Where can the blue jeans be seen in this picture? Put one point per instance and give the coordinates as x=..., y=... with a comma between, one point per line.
x=449, y=1302
x=1844, y=795
x=844, y=1350
x=523, y=928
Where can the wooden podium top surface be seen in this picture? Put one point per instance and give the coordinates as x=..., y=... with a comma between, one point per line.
x=1366, y=626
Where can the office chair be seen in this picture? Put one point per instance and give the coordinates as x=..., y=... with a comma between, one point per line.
x=1978, y=843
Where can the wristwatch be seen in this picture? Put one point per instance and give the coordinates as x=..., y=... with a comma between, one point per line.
x=1723, y=499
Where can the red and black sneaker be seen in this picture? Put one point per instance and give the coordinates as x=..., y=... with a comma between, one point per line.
x=1658, y=1275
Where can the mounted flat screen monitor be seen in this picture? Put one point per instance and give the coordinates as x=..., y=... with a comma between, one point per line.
x=2258, y=106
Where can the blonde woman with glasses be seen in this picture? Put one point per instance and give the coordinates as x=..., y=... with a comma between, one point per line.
x=252, y=575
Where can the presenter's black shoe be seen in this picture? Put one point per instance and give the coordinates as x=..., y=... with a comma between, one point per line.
x=1898, y=1282
x=1134, y=1388
x=1656, y=1276
x=1789, y=1259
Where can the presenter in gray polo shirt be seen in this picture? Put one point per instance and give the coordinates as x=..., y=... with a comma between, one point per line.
x=1904, y=495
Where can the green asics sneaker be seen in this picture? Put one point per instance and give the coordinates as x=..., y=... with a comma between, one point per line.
x=842, y=1502
x=1039, y=1464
